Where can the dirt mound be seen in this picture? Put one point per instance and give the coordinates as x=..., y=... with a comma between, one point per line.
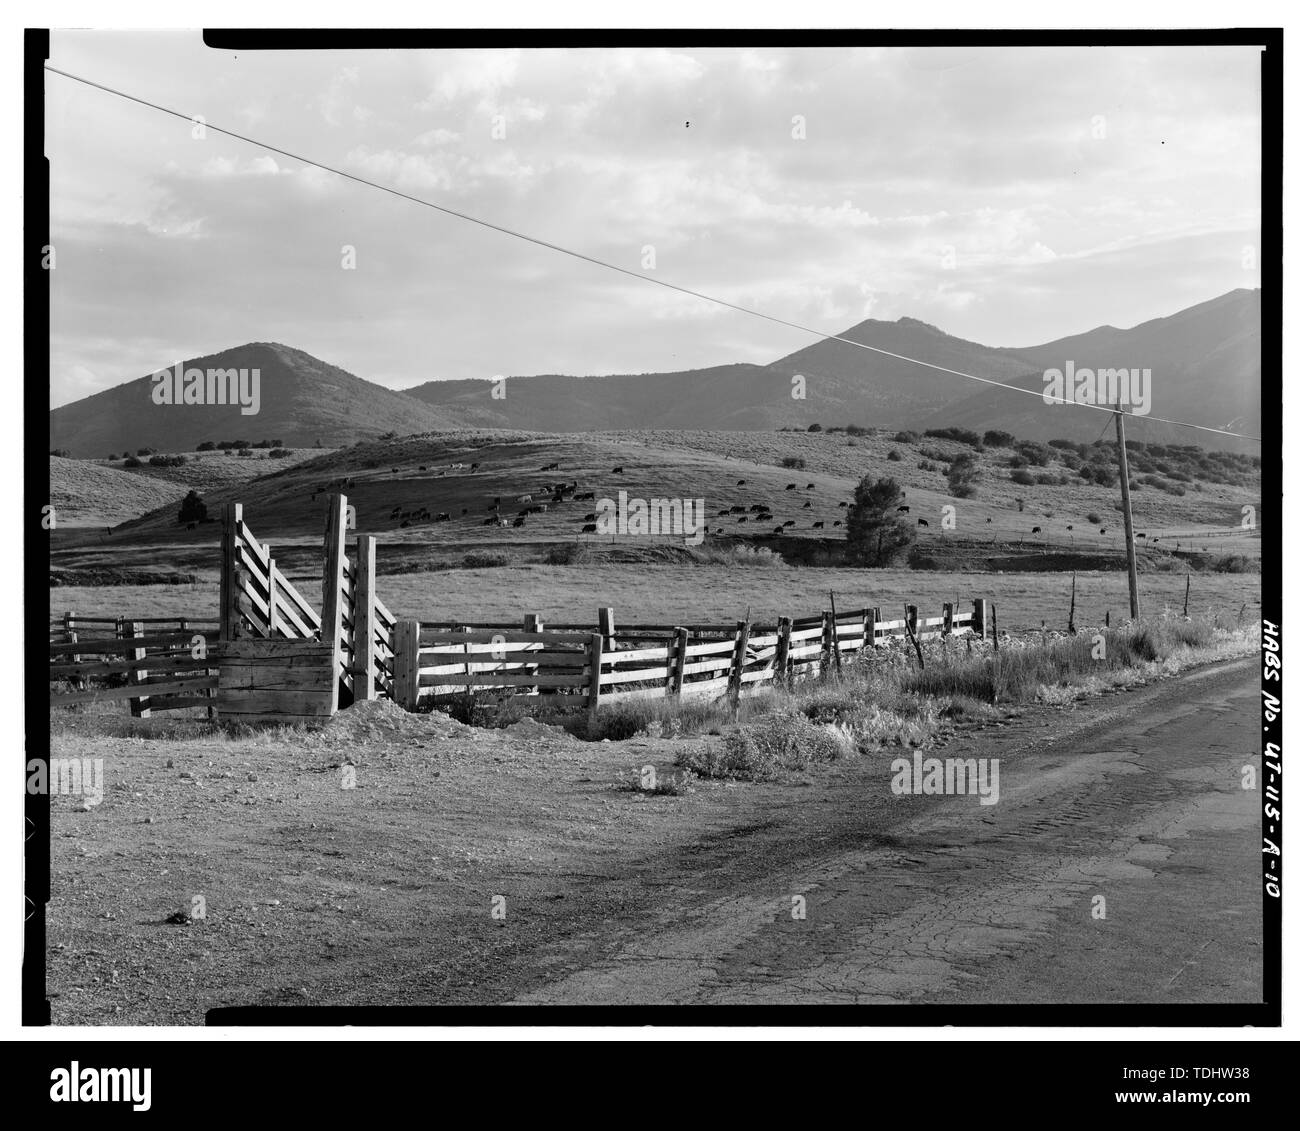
x=382, y=720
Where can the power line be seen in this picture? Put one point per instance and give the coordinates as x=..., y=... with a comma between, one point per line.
x=820, y=335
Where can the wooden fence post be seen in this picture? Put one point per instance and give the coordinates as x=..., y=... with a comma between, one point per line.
x=828, y=646
x=232, y=515
x=532, y=623
x=677, y=672
x=363, y=621
x=738, y=664
x=406, y=663
x=995, y=627
x=980, y=620
x=912, y=618
x=947, y=618
x=331, y=618
x=595, y=647
x=140, y=706
x=781, y=667
x=869, y=619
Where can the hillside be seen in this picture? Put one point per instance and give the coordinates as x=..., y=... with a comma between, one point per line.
x=88, y=494
x=1205, y=367
x=304, y=401
x=1205, y=364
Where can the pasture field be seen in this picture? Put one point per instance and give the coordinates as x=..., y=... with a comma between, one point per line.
x=663, y=594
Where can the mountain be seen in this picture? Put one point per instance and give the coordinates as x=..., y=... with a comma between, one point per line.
x=302, y=400
x=1205, y=364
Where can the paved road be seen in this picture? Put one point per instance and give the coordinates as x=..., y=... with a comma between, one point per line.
x=1135, y=799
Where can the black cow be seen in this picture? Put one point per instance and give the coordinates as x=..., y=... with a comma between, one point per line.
x=807, y=504
x=590, y=528
x=792, y=486
x=520, y=520
x=1141, y=535
x=810, y=487
x=921, y=522
x=819, y=526
x=740, y=482
x=1036, y=530
x=589, y=517
x=617, y=471
x=837, y=522
x=904, y=510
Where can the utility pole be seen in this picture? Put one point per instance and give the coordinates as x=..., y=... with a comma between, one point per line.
x=1134, y=610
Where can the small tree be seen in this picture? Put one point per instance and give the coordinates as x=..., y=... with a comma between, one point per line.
x=876, y=533
x=193, y=509
x=963, y=473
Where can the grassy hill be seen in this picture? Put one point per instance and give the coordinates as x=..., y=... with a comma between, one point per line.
x=90, y=495
x=304, y=401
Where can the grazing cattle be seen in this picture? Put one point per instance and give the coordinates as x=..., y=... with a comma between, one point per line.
x=473, y=467
x=788, y=523
x=1155, y=539
x=493, y=521
x=1103, y=530
x=1036, y=530
x=443, y=516
x=757, y=508
x=590, y=528
x=742, y=518
x=844, y=504
x=988, y=520
x=921, y=522
x=737, y=510
x=779, y=530
x=189, y=526
x=464, y=510
x=586, y=496
x=904, y=510
x=807, y=504
x=837, y=522
x=423, y=467
x=536, y=508
x=764, y=518
x=405, y=523
x=810, y=487
x=1141, y=535
x=792, y=486
x=740, y=482
x=1069, y=528
x=589, y=517
x=723, y=513
x=523, y=498
x=617, y=471
x=819, y=526
x=520, y=520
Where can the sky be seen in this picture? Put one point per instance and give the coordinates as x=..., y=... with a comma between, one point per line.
x=1006, y=195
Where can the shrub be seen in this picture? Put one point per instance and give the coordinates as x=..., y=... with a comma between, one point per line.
x=130, y=461
x=1022, y=477
x=893, y=456
x=193, y=509
x=167, y=461
x=485, y=561
x=1095, y=519
x=1033, y=453
x=206, y=446
x=565, y=553
x=144, y=451
x=792, y=461
x=814, y=428
x=64, y=452
x=280, y=453
x=961, y=435
x=906, y=438
x=995, y=438
x=759, y=752
x=963, y=473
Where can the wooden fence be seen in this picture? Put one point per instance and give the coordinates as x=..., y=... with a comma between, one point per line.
x=434, y=663
x=355, y=648
x=155, y=663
